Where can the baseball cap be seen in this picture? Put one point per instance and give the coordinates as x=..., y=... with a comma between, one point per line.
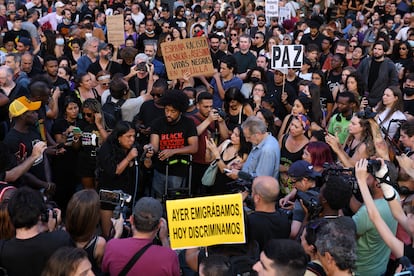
x=302, y=168
x=26, y=41
x=21, y=105
x=102, y=46
x=59, y=5
x=148, y=210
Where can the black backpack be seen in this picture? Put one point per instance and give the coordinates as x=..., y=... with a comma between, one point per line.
x=112, y=112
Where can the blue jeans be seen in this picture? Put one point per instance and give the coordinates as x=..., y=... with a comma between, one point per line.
x=158, y=183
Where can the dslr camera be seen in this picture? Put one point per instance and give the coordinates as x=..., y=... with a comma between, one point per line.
x=311, y=202
x=117, y=198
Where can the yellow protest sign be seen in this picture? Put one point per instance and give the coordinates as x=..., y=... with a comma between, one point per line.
x=205, y=221
x=190, y=55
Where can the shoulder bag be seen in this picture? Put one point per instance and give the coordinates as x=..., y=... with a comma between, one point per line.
x=134, y=259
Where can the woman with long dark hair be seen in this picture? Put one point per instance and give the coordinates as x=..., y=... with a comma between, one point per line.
x=236, y=107
x=116, y=168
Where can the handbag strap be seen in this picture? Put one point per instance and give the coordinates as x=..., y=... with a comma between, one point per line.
x=134, y=259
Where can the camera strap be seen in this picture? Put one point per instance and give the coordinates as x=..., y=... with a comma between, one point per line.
x=134, y=259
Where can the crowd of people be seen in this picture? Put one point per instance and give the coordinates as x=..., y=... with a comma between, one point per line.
x=94, y=137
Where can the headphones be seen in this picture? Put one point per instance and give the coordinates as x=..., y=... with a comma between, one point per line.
x=339, y=117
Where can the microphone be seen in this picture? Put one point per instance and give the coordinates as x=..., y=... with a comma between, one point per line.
x=135, y=161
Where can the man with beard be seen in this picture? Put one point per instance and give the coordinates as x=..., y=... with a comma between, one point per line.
x=314, y=36
x=172, y=135
x=261, y=27
x=216, y=53
x=150, y=34
x=104, y=61
x=209, y=125
x=90, y=53
x=150, y=49
x=377, y=72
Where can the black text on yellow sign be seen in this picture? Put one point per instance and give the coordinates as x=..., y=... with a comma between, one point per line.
x=206, y=221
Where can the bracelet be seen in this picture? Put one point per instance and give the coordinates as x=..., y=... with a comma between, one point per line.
x=391, y=198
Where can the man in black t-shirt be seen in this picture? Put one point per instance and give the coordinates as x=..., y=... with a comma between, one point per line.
x=266, y=223
x=172, y=136
x=28, y=252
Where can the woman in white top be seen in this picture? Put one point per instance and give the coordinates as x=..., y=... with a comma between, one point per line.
x=390, y=111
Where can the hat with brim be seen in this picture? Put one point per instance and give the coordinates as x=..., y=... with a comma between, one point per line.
x=59, y=5
x=21, y=105
x=102, y=46
x=301, y=169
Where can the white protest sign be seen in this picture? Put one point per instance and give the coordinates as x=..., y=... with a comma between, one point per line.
x=272, y=8
x=284, y=14
x=287, y=56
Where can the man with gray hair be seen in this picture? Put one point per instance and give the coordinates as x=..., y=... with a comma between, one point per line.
x=146, y=221
x=264, y=158
x=336, y=246
x=10, y=88
x=13, y=60
x=150, y=49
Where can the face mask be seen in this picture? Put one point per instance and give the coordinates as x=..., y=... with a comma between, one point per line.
x=88, y=35
x=60, y=41
x=254, y=79
x=243, y=26
x=67, y=21
x=187, y=13
x=152, y=32
x=190, y=102
x=411, y=43
x=408, y=91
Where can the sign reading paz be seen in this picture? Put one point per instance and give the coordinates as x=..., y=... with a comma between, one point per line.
x=190, y=55
x=287, y=56
x=205, y=221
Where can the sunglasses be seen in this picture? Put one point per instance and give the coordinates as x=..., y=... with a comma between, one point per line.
x=105, y=83
x=233, y=34
x=156, y=95
x=403, y=48
x=89, y=115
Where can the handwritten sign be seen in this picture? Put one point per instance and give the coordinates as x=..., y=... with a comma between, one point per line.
x=287, y=56
x=205, y=221
x=272, y=8
x=115, y=25
x=190, y=55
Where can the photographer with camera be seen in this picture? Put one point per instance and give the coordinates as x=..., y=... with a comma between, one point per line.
x=210, y=124
x=377, y=197
x=35, y=240
x=146, y=222
x=302, y=176
x=403, y=216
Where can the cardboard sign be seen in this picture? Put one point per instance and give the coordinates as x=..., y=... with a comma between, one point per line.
x=284, y=14
x=115, y=25
x=272, y=8
x=205, y=221
x=287, y=56
x=190, y=55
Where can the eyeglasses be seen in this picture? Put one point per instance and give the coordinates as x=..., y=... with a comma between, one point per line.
x=89, y=115
x=105, y=83
x=403, y=48
x=158, y=95
x=257, y=37
x=233, y=34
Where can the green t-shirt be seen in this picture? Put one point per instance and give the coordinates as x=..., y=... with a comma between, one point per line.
x=339, y=129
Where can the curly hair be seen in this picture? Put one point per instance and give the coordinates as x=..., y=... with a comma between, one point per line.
x=175, y=98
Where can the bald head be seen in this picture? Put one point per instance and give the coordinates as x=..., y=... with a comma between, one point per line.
x=267, y=187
